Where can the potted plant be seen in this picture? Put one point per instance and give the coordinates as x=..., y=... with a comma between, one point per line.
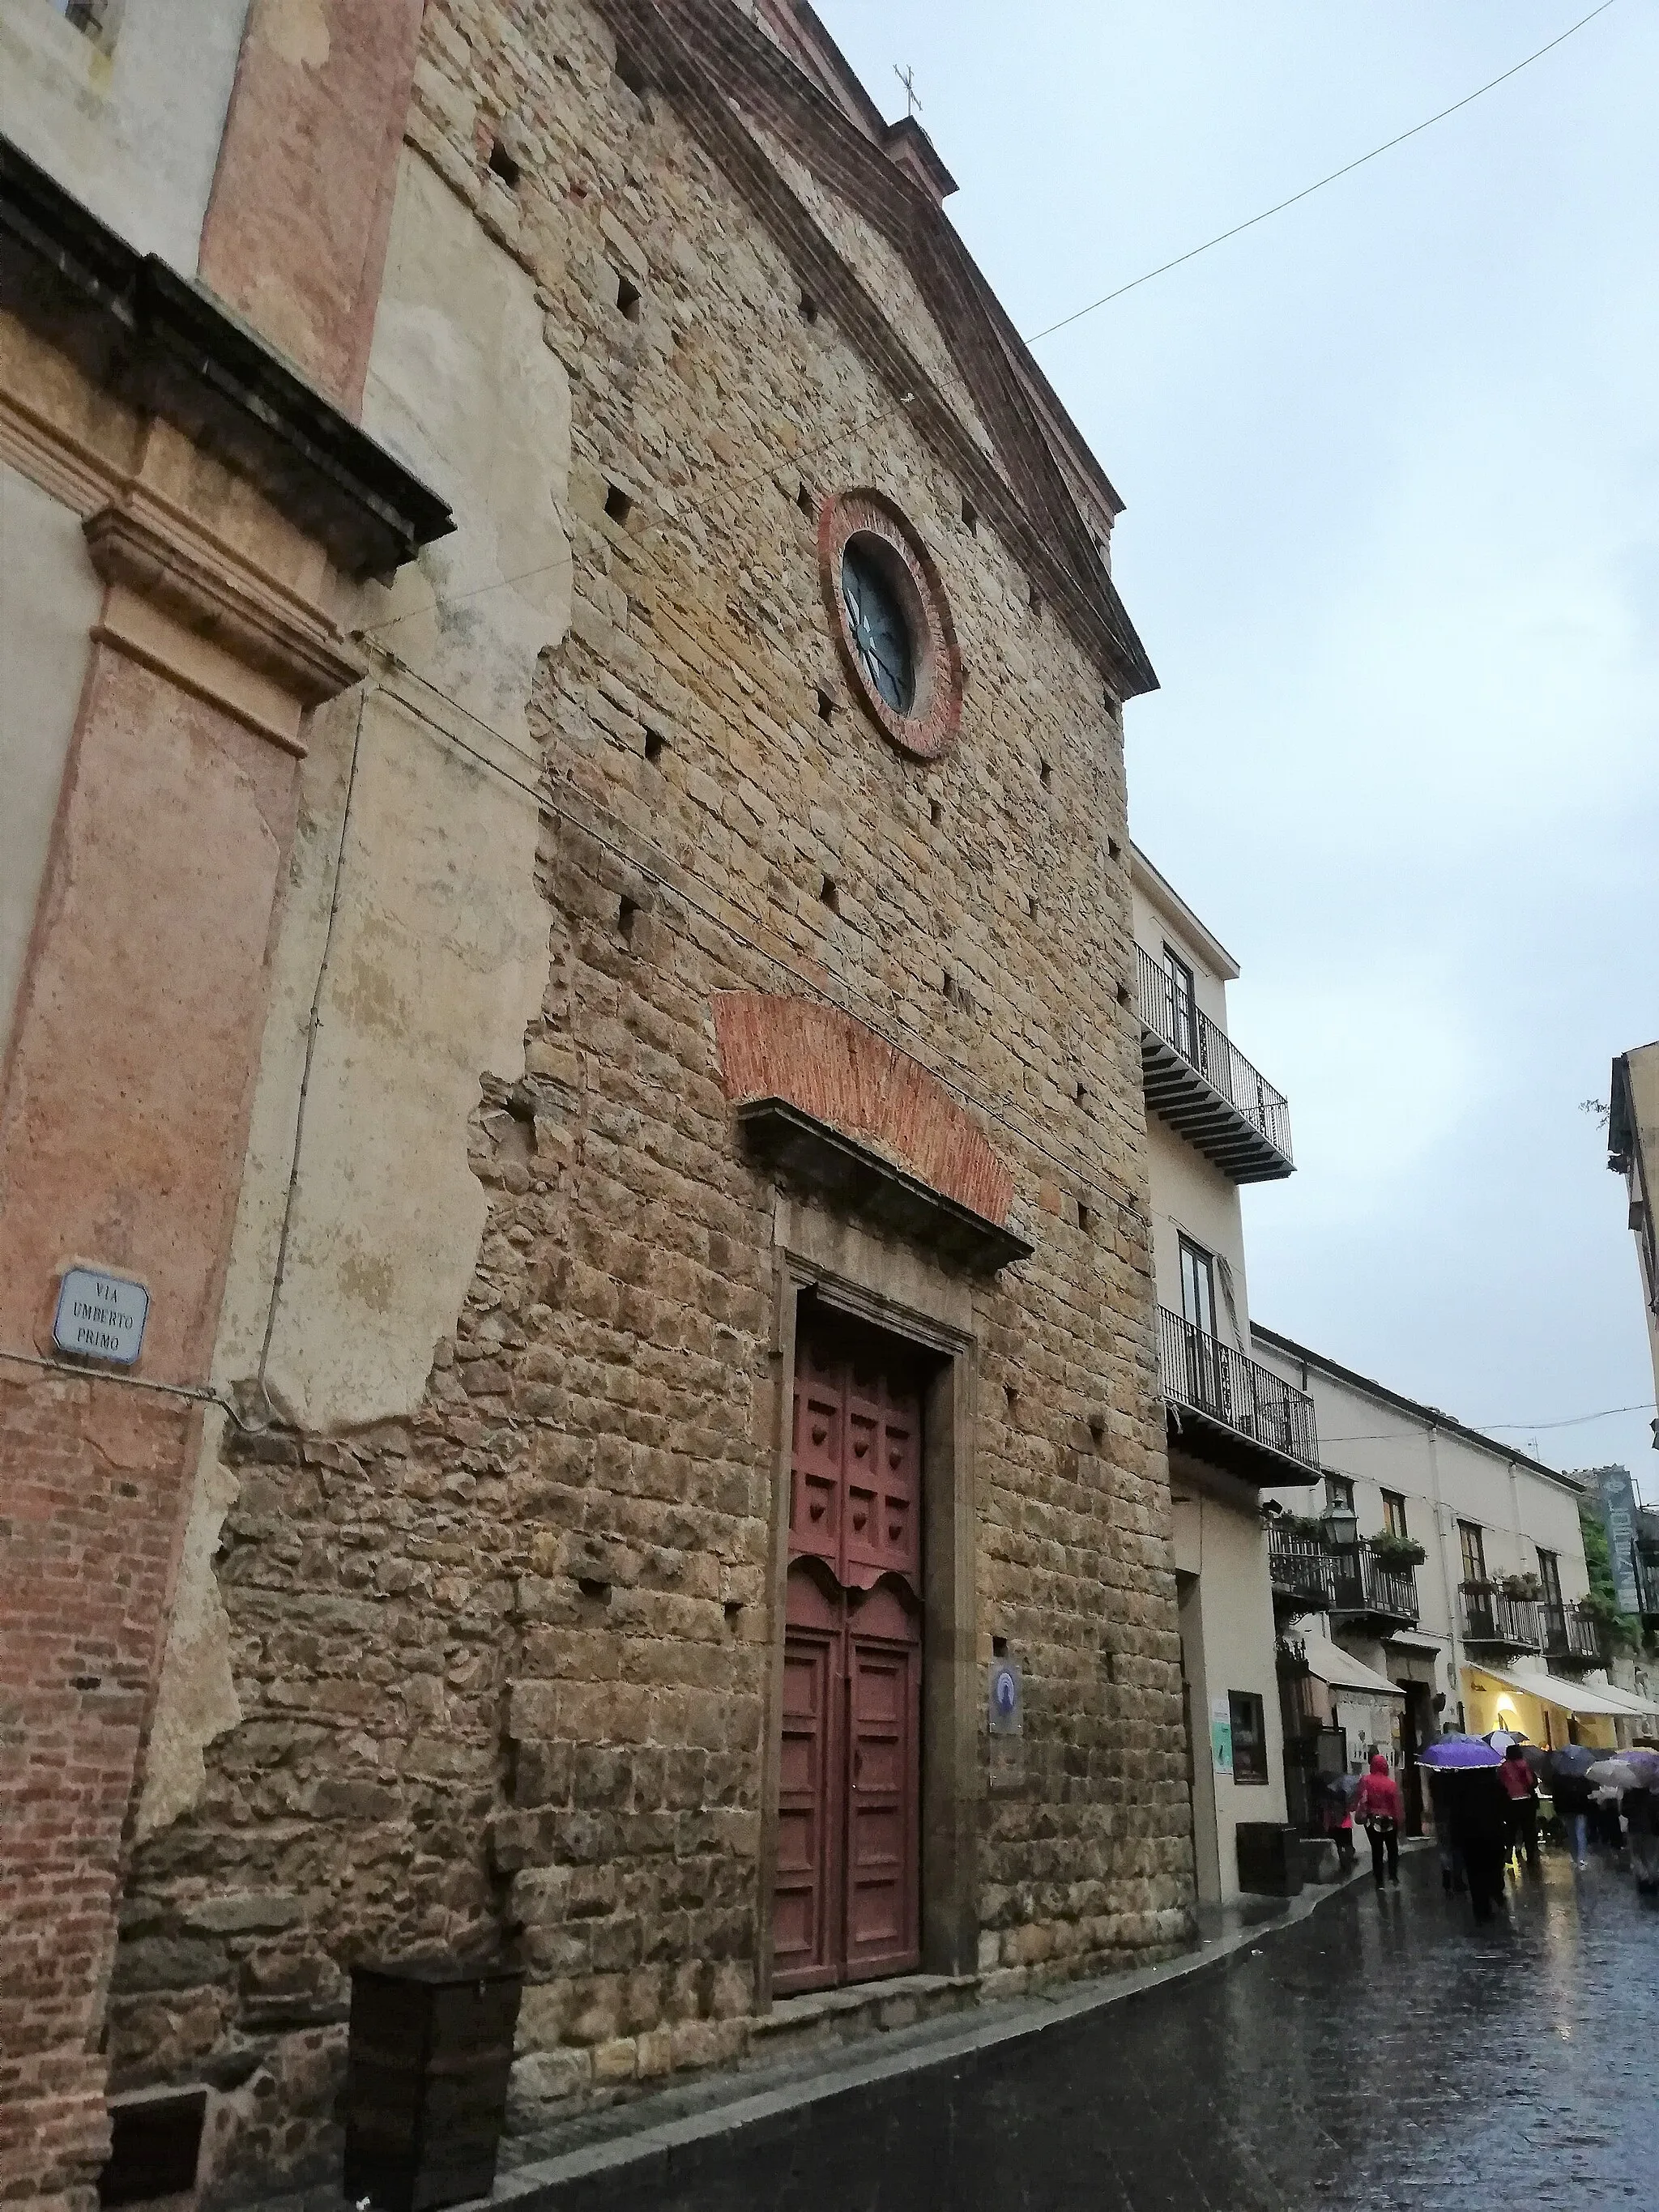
x=1524, y=1589
x=1308, y=1527
x=1397, y=1554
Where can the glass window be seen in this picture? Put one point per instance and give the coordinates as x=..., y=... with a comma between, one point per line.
x=1473, y=1548
x=1183, y=1011
x=880, y=631
x=1394, y=1515
x=1549, y=1576
x=1197, y=1287
x=1250, y=1736
x=97, y=18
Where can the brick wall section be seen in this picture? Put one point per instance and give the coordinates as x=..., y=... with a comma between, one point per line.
x=504, y=1664
x=822, y=1060
x=88, y=1521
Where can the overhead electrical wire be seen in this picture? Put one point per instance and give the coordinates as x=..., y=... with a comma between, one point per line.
x=1523, y=1428
x=1307, y=191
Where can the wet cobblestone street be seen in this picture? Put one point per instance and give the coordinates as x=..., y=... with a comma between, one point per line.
x=1382, y=2054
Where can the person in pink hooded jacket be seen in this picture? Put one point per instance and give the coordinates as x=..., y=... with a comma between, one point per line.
x=1379, y=1806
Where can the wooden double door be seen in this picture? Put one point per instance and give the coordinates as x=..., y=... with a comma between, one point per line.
x=848, y=1900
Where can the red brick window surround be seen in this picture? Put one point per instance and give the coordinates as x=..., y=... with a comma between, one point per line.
x=880, y=538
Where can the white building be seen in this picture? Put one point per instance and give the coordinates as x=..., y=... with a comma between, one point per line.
x=1236, y=1429
x=1490, y=1629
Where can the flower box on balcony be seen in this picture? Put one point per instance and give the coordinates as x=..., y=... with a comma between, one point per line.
x=1398, y=1554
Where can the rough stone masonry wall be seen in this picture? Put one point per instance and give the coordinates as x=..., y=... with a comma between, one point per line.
x=502, y=1665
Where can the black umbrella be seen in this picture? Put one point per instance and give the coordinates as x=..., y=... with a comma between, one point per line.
x=1576, y=1758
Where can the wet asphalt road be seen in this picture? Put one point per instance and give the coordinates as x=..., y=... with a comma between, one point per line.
x=1381, y=2054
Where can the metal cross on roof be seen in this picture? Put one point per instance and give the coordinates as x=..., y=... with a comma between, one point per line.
x=907, y=77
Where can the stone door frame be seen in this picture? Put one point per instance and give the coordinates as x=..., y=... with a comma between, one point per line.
x=908, y=1295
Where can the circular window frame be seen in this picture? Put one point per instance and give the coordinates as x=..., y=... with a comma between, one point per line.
x=927, y=730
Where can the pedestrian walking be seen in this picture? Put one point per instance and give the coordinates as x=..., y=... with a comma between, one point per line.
x=1380, y=1807
x=1570, y=1795
x=1475, y=1805
x=1338, y=1815
x=1641, y=1809
x=1451, y=1860
x=1521, y=1787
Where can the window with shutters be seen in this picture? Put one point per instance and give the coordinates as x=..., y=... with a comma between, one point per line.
x=1473, y=1545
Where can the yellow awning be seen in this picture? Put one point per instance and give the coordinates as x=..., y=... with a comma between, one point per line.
x=1555, y=1690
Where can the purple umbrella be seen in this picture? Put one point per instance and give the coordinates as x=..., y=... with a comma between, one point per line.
x=1460, y=1750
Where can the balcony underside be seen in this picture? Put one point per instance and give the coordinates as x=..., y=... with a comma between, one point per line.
x=1196, y=1110
x=1376, y=1620
x=1203, y=1437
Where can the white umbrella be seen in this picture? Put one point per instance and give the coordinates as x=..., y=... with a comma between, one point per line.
x=1614, y=1774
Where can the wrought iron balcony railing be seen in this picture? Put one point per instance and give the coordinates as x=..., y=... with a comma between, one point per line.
x=1572, y=1634
x=1300, y=1567
x=1198, y=1081
x=1364, y=1584
x=1320, y=1577
x=1209, y=1377
x=1511, y=1624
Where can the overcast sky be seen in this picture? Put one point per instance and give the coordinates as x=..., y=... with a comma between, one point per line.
x=1391, y=464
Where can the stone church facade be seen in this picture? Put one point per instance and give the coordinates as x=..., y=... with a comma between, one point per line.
x=680, y=1313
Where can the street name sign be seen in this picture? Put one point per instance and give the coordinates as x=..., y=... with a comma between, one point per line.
x=100, y=1316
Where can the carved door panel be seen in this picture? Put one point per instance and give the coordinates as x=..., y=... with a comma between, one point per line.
x=884, y=1706
x=847, y=1905
x=811, y=1807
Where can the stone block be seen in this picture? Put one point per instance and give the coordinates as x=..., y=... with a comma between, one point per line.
x=616, y=2061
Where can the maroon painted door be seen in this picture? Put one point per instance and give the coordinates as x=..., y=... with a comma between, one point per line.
x=846, y=1906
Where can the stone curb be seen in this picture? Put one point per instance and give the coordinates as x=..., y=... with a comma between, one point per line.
x=632, y=2168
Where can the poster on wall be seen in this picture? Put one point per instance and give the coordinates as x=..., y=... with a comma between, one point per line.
x=1221, y=1735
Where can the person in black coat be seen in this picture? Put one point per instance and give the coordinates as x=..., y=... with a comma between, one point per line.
x=1570, y=1795
x=1475, y=1808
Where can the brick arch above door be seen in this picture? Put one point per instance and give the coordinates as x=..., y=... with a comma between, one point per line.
x=831, y=1067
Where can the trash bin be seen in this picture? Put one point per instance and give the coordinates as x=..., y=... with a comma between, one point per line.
x=429, y=2050
x=1269, y=1859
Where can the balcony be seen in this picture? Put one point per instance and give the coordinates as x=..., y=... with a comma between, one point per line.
x=1497, y=1622
x=1198, y=1081
x=1572, y=1636
x=1299, y=1569
x=1647, y=1585
x=1230, y=1412
x=1366, y=1593
x=1350, y=1582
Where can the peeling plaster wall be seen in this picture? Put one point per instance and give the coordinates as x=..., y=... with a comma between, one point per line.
x=49, y=600
x=439, y=952
x=132, y=132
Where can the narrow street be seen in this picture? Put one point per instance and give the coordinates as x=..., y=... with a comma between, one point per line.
x=1378, y=2055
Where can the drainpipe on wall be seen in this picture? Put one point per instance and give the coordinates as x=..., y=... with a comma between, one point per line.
x=1446, y=1584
